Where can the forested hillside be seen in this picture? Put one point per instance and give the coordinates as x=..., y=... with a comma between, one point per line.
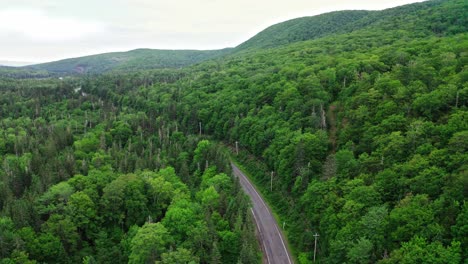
x=22, y=73
x=303, y=28
x=365, y=131
x=133, y=60
x=92, y=179
x=295, y=30
x=405, y=17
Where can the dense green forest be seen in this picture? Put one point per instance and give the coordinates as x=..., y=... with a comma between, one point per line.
x=364, y=126
x=93, y=178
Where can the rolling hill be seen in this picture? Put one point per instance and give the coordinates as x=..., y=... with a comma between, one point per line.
x=138, y=59
x=357, y=136
x=340, y=22
x=291, y=31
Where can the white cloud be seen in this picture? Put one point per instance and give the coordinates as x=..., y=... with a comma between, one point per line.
x=36, y=25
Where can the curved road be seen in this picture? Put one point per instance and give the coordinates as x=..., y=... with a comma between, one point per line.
x=273, y=243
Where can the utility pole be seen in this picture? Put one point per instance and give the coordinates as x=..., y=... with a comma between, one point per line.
x=199, y=126
x=271, y=181
x=315, y=246
x=237, y=147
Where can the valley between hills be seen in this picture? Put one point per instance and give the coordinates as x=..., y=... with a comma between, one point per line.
x=349, y=130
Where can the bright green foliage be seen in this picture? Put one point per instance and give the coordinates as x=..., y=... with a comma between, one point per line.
x=180, y=218
x=209, y=198
x=149, y=243
x=81, y=191
x=82, y=211
x=419, y=251
x=55, y=199
x=181, y=255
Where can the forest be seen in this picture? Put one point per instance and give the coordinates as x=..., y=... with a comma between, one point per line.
x=364, y=128
x=94, y=181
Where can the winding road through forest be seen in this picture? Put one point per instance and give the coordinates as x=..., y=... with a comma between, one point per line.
x=272, y=240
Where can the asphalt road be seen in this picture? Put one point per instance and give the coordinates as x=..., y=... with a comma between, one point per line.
x=273, y=243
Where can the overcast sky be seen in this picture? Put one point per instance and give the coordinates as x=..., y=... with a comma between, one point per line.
x=46, y=30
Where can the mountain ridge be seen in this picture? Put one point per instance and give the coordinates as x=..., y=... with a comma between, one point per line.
x=137, y=59
x=281, y=34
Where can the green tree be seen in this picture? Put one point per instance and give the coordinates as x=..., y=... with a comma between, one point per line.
x=413, y=216
x=149, y=243
x=7, y=236
x=64, y=228
x=417, y=250
x=82, y=211
x=179, y=256
x=361, y=251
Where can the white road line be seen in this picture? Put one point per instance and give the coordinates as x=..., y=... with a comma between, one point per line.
x=282, y=242
x=260, y=231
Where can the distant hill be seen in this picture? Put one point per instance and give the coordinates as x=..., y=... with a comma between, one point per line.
x=296, y=30
x=138, y=59
x=23, y=73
